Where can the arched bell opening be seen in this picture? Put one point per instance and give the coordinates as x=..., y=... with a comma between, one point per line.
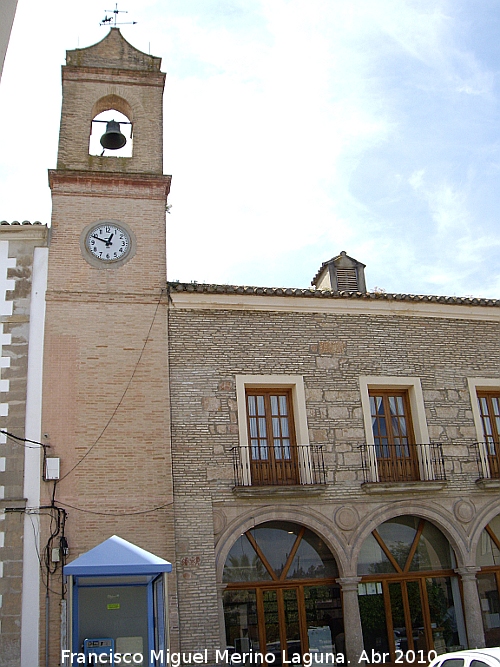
x=281, y=596
x=409, y=596
x=111, y=135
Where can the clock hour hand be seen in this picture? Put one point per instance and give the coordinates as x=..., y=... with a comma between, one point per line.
x=108, y=242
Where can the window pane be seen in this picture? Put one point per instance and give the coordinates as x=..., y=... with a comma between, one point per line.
x=490, y=607
x=240, y=616
x=372, y=559
x=283, y=406
x=276, y=539
x=373, y=623
x=433, y=551
x=398, y=535
x=325, y=626
x=251, y=406
x=243, y=564
x=446, y=614
x=313, y=559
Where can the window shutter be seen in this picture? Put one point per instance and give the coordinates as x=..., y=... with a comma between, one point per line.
x=347, y=280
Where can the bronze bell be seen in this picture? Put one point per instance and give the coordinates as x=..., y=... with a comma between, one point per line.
x=113, y=139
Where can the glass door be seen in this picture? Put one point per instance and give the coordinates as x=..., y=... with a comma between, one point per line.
x=410, y=633
x=282, y=621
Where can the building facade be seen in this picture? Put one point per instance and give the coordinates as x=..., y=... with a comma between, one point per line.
x=321, y=466
x=351, y=421
x=23, y=273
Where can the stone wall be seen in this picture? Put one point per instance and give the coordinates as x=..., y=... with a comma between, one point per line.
x=210, y=345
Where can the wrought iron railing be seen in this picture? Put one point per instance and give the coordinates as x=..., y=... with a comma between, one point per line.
x=402, y=462
x=295, y=465
x=488, y=459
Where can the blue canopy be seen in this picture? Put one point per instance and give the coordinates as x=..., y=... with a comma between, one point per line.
x=116, y=556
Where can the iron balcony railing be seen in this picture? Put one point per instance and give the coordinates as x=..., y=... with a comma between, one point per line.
x=488, y=459
x=402, y=462
x=280, y=466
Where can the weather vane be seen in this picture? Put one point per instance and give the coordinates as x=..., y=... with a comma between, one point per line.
x=108, y=20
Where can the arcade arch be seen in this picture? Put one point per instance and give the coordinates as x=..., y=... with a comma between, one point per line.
x=409, y=594
x=281, y=594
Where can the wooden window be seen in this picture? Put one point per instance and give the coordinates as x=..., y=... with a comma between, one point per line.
x=393, y=436
x=271, y=437
x=489, y=409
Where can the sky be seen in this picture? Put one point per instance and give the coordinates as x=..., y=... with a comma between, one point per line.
x=293, y=130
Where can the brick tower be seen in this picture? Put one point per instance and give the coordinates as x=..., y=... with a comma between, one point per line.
x=105, y=396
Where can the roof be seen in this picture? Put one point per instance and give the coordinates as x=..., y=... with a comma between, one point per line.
x=328, y=294
x=24, y=222
x=113, y=52
x=116, y=556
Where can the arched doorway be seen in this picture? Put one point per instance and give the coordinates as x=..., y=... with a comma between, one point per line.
x=488, y=580
x=409, y=595
x=281, y=595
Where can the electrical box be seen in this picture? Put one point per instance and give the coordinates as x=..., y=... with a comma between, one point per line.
x=56, y=555
x=99, y=651
x=52, y=468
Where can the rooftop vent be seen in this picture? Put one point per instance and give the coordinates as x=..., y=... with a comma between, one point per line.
x=341, y=274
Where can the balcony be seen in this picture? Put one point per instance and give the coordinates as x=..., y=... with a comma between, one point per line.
x=488, y=464
x=398, y=467
x=288, y=470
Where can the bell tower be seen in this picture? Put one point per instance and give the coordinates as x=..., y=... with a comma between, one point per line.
x=105, y=382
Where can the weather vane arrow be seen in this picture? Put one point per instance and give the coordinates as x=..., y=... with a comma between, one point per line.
x=108, y=20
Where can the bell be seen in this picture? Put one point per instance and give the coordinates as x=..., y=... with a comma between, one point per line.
x=113, y=139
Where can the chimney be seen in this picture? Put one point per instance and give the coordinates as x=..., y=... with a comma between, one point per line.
x=341, y=274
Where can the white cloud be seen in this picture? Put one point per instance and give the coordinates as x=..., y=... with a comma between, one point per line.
x=293, y=128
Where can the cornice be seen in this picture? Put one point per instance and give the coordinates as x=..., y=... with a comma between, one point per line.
x=232, y=297
x=113, y=75
x=25, y=231
x=100, y=183
x=153, y=297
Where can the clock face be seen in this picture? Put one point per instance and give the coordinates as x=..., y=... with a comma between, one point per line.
x=108, y=242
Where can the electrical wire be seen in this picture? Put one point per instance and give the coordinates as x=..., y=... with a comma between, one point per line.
x=45, y=580
x=79, y=509
x=17, y=437
x=123, y=394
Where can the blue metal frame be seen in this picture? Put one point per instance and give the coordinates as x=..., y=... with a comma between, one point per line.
x=117, y=557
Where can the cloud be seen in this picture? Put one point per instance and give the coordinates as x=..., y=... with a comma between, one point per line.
x=293, y=129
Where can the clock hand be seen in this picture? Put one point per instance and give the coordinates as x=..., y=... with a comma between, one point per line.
x=99, y=239
x=108, y=242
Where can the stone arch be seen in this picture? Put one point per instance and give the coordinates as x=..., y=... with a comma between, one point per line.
x=489, y=512
x=313, y=521
x=442, y=519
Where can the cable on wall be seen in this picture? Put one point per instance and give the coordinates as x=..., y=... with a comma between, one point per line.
x=124, y=391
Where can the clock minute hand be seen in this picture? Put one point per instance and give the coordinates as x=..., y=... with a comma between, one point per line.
x=99, y=239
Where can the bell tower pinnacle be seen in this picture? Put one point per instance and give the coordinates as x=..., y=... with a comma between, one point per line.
x=112, y=74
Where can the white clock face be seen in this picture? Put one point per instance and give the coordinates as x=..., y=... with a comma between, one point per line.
x=108, y=242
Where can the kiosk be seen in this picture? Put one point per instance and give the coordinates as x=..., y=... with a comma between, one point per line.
x=117, y=604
